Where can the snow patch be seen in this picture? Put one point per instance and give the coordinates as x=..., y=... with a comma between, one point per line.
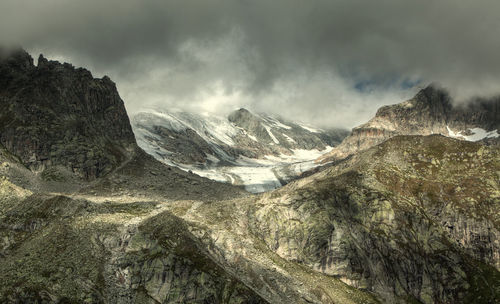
x=299, y=155
x=289, y=138
x=477, y=134
x=310, y=129
x=268, y=129
x=209, y=128
x=212, y=158
x=259, y=175
x=276, y=122
x=252, y=137
x=257, y=179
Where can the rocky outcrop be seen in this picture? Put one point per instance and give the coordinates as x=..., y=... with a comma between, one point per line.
x=187, y=145
x=58, y=249
x=415, y=219
x=431, y=111
x=412, y=219
x=54, y=114
x=105, y=249
x=286, y=134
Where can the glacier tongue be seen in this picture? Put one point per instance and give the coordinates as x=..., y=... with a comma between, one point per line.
x=256, y=175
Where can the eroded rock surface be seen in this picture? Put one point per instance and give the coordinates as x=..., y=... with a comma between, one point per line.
x=54, y=114
x=413, y=218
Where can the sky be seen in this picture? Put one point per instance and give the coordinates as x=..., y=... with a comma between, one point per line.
x=328, y=63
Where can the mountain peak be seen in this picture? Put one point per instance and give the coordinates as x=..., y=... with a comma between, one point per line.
x=42, y=60
x=430, y=111
x=242, y=114
x=15, y=58
x=91, y=138
x=434, y=96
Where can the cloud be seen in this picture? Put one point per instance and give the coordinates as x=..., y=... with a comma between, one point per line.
x=330, y=62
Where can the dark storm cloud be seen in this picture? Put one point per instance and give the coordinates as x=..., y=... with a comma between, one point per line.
x=301, y=58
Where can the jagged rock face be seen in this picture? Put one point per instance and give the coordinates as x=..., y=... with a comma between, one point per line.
x=430, y=112
x=55, y=114
x=412, y=219
x=189, y=146
x=415, y=218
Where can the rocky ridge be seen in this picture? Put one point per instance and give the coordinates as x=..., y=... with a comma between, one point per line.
x=54, y=114
x=412, y=219
x=431, y=111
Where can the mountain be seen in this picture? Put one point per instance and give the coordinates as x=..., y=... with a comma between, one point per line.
x=110, y=235
x=63, y=130
x=54, y=115
x=431, y=111
x=414, y=219
x=259, y=151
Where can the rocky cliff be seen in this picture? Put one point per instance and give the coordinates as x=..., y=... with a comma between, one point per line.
x=144, y=234
x=415, y=219
x=54, y=114
x=431, y=111
x=55, y=247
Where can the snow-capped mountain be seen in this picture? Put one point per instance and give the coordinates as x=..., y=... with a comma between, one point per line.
x=259, y=151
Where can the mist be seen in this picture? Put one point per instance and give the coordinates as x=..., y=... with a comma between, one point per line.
x=328, y=63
